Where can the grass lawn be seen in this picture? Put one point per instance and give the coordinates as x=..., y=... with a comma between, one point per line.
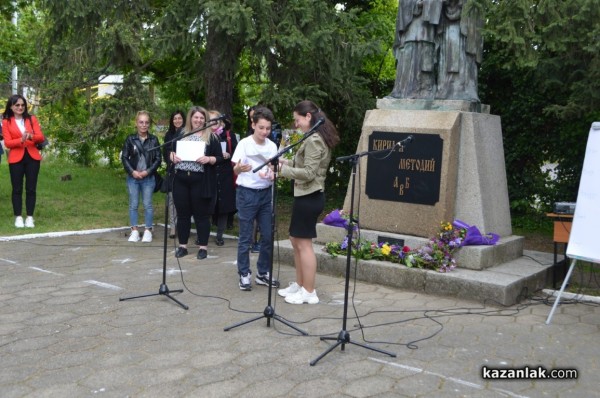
x=92, y=198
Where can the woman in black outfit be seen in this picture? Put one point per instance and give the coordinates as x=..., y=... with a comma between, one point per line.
x=176, y=126
x=225, y=201
x=195, y=183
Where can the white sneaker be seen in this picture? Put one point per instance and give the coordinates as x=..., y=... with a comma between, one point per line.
x=19, y=222
x=29, y=222
x=135, y=236
x=291, y=289
x=302, y=296
x=147, y=238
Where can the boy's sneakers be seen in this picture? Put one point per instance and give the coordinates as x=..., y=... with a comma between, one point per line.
x=255, y=248
x=264, y=280
x=246, y=282
x=135, y=236
x=147, y=238
x=29, y=222
x=291, y=289
x=19, y=222
x=302, y=296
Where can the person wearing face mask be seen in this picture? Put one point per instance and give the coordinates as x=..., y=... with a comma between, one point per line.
x=176, y=126
x=194, y=186
x=308, y=170
x=225, y=200
x=21, y=132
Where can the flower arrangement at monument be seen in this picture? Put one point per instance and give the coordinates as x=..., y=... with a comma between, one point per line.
x=438, y=253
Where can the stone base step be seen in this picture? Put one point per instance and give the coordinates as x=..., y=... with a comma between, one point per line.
x=503, y=284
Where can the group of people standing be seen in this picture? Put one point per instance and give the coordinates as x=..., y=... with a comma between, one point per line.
x=215, y=182
x=191, y=182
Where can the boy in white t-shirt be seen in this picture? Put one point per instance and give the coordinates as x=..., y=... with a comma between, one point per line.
x=253, y=198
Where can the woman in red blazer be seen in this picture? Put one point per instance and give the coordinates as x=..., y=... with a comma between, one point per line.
x=21, y=133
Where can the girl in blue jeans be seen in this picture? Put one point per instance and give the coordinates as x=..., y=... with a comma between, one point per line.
x=141, y=158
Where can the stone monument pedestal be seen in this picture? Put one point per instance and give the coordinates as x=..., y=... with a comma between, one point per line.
x=454, y=168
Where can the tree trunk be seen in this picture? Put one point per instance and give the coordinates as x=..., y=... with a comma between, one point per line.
x=220, y=64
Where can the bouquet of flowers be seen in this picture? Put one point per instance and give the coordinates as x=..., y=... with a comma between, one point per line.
x=437, y=253
x=337, y=218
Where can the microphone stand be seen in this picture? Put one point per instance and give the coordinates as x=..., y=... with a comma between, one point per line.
x=163, y=290
x=343, y=337
x=269, y=311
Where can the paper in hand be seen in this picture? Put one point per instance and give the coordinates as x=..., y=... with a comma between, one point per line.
x=190, y=150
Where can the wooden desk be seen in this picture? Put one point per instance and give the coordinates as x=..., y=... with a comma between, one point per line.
x=562, y=231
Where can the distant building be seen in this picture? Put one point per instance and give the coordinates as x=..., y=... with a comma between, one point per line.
x=107, y=85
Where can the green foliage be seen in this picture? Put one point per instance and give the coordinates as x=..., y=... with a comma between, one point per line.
x=378, y=26
x=540, y=74
x=94, y=197
x=15, y=45
x=540, y=71
x=86, y=130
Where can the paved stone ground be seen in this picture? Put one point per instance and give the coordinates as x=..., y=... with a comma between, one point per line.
x=65, y=333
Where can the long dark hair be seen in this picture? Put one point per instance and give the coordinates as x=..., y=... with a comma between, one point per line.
x=249, y=130
x=172, y=129
x=327, y=130
x=8, y=112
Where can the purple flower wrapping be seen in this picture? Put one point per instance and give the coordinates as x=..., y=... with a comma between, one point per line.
x=335, y=219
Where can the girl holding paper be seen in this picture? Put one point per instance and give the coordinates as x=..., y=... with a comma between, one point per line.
x=195, y=182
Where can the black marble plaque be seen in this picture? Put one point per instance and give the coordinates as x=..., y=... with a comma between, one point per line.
x=390, y=240
x=409, y=174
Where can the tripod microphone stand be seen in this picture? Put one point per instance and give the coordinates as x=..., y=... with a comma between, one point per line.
x=343, y=337
x=163, y=290
x=269, y=311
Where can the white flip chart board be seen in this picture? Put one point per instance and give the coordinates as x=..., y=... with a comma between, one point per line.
x=583, y=240
x=583, y=244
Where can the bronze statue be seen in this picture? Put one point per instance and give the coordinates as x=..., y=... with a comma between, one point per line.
x=438, y=47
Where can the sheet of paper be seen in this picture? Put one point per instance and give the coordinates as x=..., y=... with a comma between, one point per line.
x=223, y=146
x=190, y=150
x=258, y=158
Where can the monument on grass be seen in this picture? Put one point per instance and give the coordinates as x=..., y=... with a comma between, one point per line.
x=454, y=168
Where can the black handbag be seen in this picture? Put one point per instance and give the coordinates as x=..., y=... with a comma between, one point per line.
x=42, y=144
x=160, y=183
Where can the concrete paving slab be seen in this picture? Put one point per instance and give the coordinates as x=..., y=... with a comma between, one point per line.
x=64, y=332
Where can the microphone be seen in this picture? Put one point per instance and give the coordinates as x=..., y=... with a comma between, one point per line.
x=319, y=122
x=407, y=140
x=216, y=119
x=310, y=132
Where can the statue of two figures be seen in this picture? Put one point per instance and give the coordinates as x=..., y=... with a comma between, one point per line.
x=438, y=47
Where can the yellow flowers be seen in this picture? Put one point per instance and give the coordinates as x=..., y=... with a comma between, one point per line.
x=386, y=249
